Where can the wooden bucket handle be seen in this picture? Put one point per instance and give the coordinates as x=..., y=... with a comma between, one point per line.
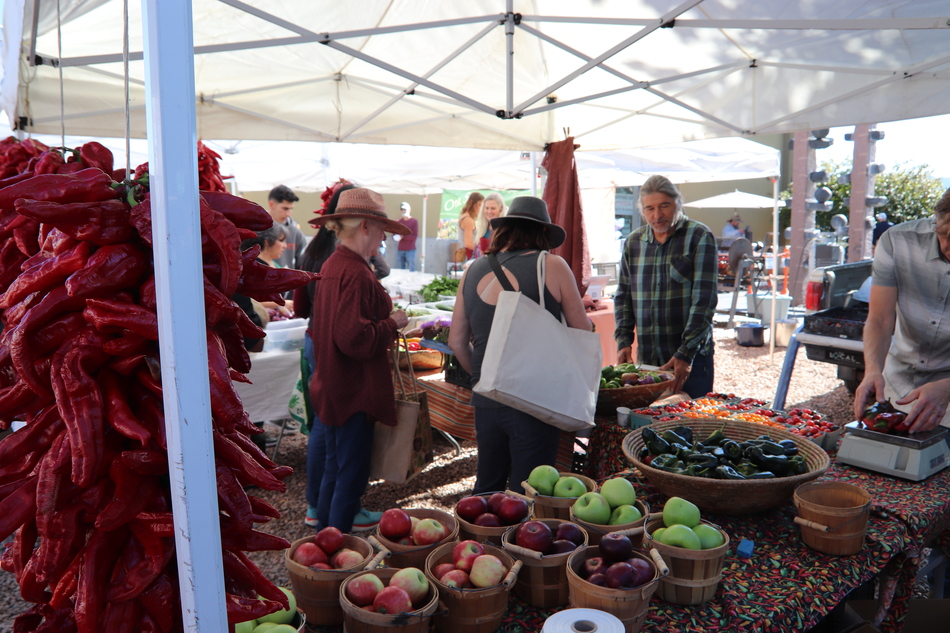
x=661, y=565
x=812, y=524
x=380, y=555
x=443, y=610
x=512, y=574
x=521, y=551
x=528, y=488
x=634, y=531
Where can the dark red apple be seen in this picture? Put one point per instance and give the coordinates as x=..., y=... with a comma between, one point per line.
x=562, y=546
x=329, y=539
x=443, y=569
x=616, y=547
x=395, y=524
x=513, y=510
x=619, y=575
x=494, y=501
x=469, y=508
x=488, y=520
x=593, y=565
x=570, y=532
x=598, y=579
x=534, y=535
x=642, y=570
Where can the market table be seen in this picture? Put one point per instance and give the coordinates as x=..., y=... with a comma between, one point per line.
x=273, y=377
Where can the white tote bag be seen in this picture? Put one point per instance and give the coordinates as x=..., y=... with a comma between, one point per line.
x=536, y=364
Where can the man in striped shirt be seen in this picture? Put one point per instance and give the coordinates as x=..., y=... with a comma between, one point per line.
x=667, y=291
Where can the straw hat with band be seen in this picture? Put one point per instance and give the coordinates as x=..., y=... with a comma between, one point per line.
x=363, y=204
x=534, y=210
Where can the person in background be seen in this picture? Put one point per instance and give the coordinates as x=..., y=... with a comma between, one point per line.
x=510, y=442
x=280, y=202
x=907, y=333
x=882, y=225
x=406, y=253
x=273, y=243
x=494, y=207
x=353, y=325
x=666, y=296
x=732, y=231
x=470, y=212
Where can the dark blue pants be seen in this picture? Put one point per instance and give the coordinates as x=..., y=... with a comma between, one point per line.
x=349, y=448
x=316, y=443
x=701, y=375
x=510, y=445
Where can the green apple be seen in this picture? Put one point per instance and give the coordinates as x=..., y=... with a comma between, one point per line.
x=593, y=508
x=618, y=492
x=679, y=511
x=282, y=628
x=680, y=536
x=245, y=627
x=657, y=532
x=569, y=487
x=543, y=479
x=265, y=627
x=709, y=536
x=284, y=616
x=624, y=514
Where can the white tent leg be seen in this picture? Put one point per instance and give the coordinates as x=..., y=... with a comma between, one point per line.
x=425, y=223
x=170, y=115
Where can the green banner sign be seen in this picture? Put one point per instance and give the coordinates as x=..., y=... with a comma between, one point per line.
x=453, y=200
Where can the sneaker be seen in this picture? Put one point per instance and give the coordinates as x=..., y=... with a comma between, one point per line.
x=366, y=520
x=311, y=520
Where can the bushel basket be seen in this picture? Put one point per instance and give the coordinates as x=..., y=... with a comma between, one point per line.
x=632, y=396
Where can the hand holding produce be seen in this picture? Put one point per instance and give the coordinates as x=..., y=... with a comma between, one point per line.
x=883, y=417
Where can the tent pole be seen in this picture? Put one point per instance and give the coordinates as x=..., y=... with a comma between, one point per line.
x=772, y=278
x=425, y=221
x=171, y=127
x=510, y=56
x=534, y=174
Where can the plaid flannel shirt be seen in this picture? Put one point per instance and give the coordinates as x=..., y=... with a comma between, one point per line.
x=667, y=293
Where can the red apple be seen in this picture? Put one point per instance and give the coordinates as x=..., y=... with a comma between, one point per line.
x=392, y=600
x=413, y=582
x=487, y=571
x=570, y=532
x=369, y=608
x=395, y=524
x=457, y=578
x=615, y=547
x=322, y=566
x=494, y=501
x=443, y=569
x=329, y=539
x=619, y=576
x=534, y=535
x=598, y=579
x=593, y=565
x=465, y=553
x=562, y=546
x=309, y=554
x=513, y=510
x=428, y=531
x=488, y=519
x=406, y=540
x=346, y=558
x=362, y=590
x=470, y=507
x=643, y=571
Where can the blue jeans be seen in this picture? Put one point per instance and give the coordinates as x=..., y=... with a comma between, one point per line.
x=701, y=375
x=406, y=260
x=316, y=443
x=348, y=451
x=510, y=445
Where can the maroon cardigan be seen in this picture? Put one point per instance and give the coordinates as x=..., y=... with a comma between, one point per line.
x=352, y=333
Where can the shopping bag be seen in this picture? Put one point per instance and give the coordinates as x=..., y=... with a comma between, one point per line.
x=299, y=405
x=401, y=452
x=536, y=364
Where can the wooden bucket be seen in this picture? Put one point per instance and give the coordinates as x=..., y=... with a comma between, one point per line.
x=318, y=590
x=547, y=507
x=472, y=610
x=358, y=620
x=415, y=555
x=470, y=532
x=629, y=605
x=633, y=530
x=542, y=581
x=833, y=515
x=694, y=574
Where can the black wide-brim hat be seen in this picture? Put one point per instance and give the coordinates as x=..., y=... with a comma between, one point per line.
x=534, y=210
x=364, y=204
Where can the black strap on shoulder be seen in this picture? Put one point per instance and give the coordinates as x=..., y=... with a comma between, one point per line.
x=499, y=274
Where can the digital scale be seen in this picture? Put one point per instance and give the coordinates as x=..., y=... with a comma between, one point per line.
x=913, y=457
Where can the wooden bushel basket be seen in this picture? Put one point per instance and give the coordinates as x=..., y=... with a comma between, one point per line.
x=542, y=582
x=629, y=605
x=547, y=507
x=472, y=610
x=632, y=530
x=834, y=516
x=357, y=620
x=415, y=555
x=318, y=590
x=470, y=531
x=694, y=574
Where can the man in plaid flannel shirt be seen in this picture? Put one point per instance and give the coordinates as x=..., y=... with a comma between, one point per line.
x=667, y=291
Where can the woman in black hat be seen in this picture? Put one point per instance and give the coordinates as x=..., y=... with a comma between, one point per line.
x=512, y=443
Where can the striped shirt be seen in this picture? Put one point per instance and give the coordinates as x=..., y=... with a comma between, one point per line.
x=667, y=293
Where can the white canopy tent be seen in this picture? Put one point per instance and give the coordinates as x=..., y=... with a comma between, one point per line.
x=504, y=74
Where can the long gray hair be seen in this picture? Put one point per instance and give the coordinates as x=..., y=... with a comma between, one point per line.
x=661, y=184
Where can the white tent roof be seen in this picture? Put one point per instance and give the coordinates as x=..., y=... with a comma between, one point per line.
x=735, y=200
x=617, y=73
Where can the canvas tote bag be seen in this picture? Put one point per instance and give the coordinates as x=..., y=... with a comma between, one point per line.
x=536, y=364
x=401, y=452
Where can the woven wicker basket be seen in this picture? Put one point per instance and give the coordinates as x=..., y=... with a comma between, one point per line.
x=422, y=359
x=723, y=496
x=634, y=397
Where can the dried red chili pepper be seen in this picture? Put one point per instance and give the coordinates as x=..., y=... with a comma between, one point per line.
x=22, y=548
x=225, y=243
x=248, y=471
x=46, y=275
x=121, y=617
x=18, y=508
x=49, y=162
x=109, y=316
x=241, y=609
x=259, y=279
x=231, y=494
x=10, y=260
x=36, y=436
x=242, y=212
x=264, y=587
x=132, y=493
x=65, y=586
x=263, y=508
x=250, y=541
x=118, y=413
x=102, y=222
x=88, y=185
x=234, y=348
x=226, y=406
x=96, y=154
x=109, y=269
x=128, y=344
x=146, y=462
x=25, y=237
x=138, y=566
x=161, y=602
x=99, y=556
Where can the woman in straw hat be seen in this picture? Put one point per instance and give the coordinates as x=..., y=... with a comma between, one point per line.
x=352, y=327
x=512, y=443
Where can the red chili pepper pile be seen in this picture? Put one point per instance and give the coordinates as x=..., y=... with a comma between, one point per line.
x=87, y=477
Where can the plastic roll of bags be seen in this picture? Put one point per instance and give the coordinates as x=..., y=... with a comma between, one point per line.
x=583, y=621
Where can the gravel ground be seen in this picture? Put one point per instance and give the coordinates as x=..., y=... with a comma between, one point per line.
x=746, y=371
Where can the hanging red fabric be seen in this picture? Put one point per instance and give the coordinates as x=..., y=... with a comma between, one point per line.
x=562, y=193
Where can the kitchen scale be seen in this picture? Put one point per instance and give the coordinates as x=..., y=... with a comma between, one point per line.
x=913, y=457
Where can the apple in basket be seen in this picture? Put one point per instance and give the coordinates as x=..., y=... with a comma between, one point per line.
x=469, y=508
x=309, y=554
x=494, y=501
x=487, y=571
x=598, y=579
x=465, y=553
x=570, y=532
x=642, y=569
x=362, y=590
x=488, y=519
x=395, y=524
x=591, y=566
x=346, y=558
x=619, y=576
x=513, y=510
x=413, y=582
x=534, y=535
x=428, y=531
x=562, y=546
x=392, y=600
x=615, y=547
x=457, y=579
x=329, y=539
x=443, y=569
